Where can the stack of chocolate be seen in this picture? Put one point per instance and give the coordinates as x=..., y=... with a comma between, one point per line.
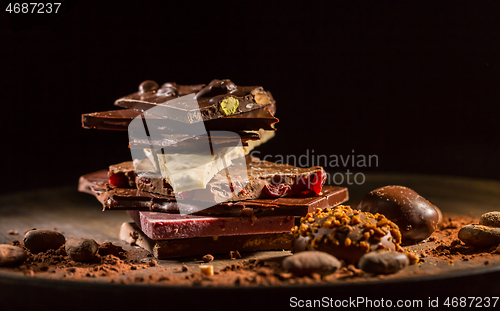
x=192, y=187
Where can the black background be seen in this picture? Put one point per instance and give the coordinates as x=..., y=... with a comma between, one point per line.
x=417, y=84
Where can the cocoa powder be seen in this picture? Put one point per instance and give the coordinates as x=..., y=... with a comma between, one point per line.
x=441, y=252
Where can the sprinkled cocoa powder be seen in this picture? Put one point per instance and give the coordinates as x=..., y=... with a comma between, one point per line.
x=440, y=253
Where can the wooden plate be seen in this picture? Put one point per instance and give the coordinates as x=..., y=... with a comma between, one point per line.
x=78, y=215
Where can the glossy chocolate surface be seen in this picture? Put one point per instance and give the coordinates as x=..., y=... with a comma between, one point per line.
x=416, y=217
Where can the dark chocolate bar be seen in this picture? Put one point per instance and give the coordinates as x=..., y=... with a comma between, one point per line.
x=133, y=199
x=262, y=118
x=220, y=98
x=164, y=249
x=165, y=226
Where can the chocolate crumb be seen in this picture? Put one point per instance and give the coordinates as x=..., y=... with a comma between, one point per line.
x=185, y=268
x=234, y=254
x=12, y=232
x=207, y=258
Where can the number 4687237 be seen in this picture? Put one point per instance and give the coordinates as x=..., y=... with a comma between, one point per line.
x=33, y=7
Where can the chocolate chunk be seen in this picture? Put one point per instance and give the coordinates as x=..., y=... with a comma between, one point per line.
x=108, y=248
x=490, y=219
x=163, y=226
x=11, y=255
x=262, y=118
x=148, y=86
x=41, y=240
x=207, y=258
x=479, y=235
x=383, y=262
x=416, y=217
x=132, y=199
x=163, y=249
x=345, y=233
x=234, y=254
x=307, y=263
x=81, y=249
x=211, y=100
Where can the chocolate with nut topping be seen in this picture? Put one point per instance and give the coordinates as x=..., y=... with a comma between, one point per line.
x=220, y=98
x=345, y=233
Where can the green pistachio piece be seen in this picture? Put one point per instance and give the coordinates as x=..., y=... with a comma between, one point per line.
x=229, y=105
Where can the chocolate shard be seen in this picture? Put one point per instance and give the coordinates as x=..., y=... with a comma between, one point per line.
x=220, y=98
x=164, y=226
x=164, y=249
x=262, y=118
x=133, y=199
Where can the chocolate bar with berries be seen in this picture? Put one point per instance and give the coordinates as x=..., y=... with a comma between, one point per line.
x=132, y=199
x=251, y=179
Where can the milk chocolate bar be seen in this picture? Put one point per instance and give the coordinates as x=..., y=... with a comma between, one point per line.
x=164, y=226
x=249, y=179
x=262, y=118
x=164, y=249
x=220, y=98
x=133, y=199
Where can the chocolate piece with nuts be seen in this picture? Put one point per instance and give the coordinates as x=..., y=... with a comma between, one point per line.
x=220, y=98
x=345, y=233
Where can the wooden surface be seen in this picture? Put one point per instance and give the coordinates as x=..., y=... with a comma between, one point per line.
x=79, y=215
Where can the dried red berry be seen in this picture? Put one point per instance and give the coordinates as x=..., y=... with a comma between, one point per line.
x=118, y=180
x=309, y=185
x=276, y=191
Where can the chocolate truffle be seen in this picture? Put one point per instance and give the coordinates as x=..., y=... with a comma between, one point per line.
x=416, y=217
x=345, y=233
